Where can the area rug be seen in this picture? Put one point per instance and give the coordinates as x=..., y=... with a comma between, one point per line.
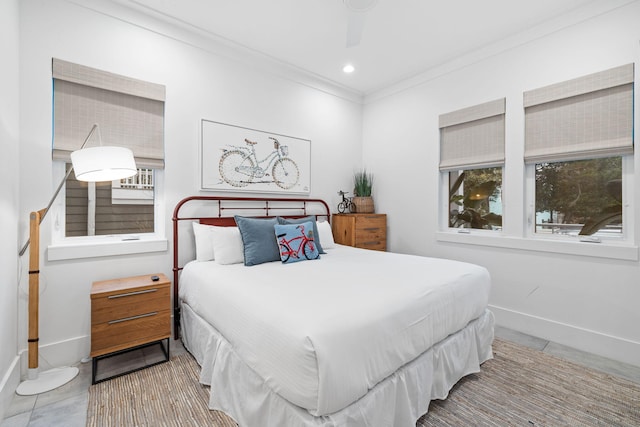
x=525, y=387
x=518, y=387
x=167, y=394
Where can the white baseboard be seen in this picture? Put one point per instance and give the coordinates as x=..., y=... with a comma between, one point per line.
x=8, y=385
x=604, y=345
x=62, y=353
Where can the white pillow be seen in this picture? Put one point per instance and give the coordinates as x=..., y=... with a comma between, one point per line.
x=227, y=245
x=204, y=241
x=326, y=235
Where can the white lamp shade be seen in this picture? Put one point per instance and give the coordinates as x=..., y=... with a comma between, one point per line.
x=103, y=164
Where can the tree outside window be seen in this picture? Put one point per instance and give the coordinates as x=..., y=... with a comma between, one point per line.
x=475, y=198
x=579, y=197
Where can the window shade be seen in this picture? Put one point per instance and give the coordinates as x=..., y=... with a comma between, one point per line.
x=587, y=117
x=129, y=112
x=473, y=137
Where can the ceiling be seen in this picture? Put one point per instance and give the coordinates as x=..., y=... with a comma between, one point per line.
x=400, y=38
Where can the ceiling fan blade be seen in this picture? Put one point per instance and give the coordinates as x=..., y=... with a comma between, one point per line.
x=355, y=27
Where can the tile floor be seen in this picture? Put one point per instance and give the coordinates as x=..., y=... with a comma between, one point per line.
x=67, y=405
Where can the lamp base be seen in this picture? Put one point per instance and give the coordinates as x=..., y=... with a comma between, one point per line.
x=47, y=381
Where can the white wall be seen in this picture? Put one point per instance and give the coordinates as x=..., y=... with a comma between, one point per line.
x=590, y=303
x=203, y=80
x=9, y=141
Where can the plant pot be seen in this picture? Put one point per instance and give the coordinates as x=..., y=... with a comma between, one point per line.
x=363, y=204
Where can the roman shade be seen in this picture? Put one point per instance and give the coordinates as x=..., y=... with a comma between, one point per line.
x=473, y=137
x=129, y=112
x=587, y=117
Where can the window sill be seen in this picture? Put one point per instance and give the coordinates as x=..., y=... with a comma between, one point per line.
x=108, y=247
x=609, y=250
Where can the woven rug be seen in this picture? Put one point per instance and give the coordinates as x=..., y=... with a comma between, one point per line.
x=519, y=387
x=524, y=387
x=167, y=394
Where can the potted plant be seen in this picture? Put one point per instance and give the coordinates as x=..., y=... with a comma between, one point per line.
x=362, y=185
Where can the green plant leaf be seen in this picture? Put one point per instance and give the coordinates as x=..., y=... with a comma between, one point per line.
x=362, y=183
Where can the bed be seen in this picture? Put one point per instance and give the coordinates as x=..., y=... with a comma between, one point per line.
x=351, y=337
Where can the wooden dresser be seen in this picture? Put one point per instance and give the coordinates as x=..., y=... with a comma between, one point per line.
x=368, y=231
x=129, y=313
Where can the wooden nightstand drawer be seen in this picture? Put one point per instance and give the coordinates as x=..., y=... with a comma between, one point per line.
x=129, y=303
x=130, y=332
x=129, y=313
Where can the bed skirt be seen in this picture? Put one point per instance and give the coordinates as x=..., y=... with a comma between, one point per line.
x=397, y=401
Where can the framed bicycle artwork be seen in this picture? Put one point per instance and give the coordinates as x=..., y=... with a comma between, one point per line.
x=236, y=158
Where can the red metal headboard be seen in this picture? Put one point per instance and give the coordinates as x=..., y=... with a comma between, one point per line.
x=216, y=210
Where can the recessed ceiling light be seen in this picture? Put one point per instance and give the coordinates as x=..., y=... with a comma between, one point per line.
x=348, y=68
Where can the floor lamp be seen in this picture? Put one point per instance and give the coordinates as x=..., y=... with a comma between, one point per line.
x=94, y=164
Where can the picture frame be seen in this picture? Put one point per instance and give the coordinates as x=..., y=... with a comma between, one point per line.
x=242, y=159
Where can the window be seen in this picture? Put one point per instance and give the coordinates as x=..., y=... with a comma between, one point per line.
x=475, y=198
x=579, y=166
x=129, y=113
x=106, y=208
x=581, y=197
x=471, y=160
x=578, y=137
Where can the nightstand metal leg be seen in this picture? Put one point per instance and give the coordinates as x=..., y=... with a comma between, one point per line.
x=94, y=361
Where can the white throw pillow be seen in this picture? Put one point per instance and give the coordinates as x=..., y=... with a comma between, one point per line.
x=227, y=245
x=204, y=241
x=326, y=235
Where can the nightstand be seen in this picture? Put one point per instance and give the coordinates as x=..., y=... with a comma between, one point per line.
x=367, y=231
x=128, y=314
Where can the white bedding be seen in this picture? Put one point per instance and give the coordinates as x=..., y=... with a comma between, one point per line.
x=322, y=333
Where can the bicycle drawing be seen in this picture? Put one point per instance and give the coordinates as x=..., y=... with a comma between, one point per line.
x=304, y=243
x=346, y=205
x=243, y=159
x=239, y=166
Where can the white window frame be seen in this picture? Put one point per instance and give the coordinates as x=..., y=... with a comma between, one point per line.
x=459, y=151
x=520, y=234
x=63, y=247
x=444, y=206
x=132, y=191
x=524, y=237
x=627, y=236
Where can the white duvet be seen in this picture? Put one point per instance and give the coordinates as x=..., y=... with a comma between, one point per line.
x=322, y=333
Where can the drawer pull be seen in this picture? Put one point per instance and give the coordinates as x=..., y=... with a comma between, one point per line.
x=111, y=322
x=372, y=229
x=132, y=293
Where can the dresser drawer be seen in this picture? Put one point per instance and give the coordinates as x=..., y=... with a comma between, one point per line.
x=367, y=223
x=371, y=240
x=371, y=232
x=128, y=303
x=128, y=332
